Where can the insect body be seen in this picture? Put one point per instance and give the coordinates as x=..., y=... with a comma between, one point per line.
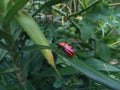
x=67, y=48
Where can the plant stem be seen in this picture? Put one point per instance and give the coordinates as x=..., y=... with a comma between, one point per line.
x=74, y=23
x=19, y=74
x=18, y=68
x=59, y=11
x=80, y=12
x=114, y=4
x=74, y=2
x=81, y=4
x=114, y=43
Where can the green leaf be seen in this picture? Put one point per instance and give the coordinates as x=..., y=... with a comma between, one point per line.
x=20, y=87
x=99, y=11
x=34, y=32
x=58, y=84
x=3, y=8
x=117, y=13
x=84, y=10
x=48, y=4
x=63, y=71
x=50, y=72
x=2, y=88
x=95, y=16
x=7, y=70
x=28, y=86
x=100, y=65
x=35, y=47
x=11, y=87
x=87, y=30
x=32, y=61
x=6, y=36
x=13, y=10
x=91, y=73
x=15, y=29
x=2, y=53
x=118, y=31
x=2, y=45
x=103, y=51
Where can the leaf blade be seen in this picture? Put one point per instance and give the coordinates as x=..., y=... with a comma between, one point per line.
x=13, y=10
x=93, y=74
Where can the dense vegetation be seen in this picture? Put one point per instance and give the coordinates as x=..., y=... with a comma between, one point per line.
x=30, y=31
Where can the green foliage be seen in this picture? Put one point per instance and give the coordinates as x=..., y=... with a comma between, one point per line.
x=18, y=5
x=103, y=51
x=92, y=27
x=95, y=75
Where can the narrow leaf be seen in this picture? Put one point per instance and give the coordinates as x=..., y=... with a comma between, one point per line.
x=63, y=71
x=91, y=73
x=7, y=70
x=6, y=36
x=34, y=32
x=35, y=47
x=13, y=10
x=100, y=65
x=2, y=53
x=2, y=45
x=3, y=8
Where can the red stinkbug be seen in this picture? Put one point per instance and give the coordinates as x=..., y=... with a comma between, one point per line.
x=67, y=48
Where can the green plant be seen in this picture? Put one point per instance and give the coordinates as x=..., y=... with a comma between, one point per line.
x=90, y=26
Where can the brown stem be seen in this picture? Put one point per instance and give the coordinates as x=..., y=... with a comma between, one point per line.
x=18, y=69
x=19, y=74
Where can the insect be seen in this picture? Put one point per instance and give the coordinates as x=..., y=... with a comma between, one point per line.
x=67, y=48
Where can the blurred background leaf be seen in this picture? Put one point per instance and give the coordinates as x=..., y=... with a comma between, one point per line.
x=91, y=27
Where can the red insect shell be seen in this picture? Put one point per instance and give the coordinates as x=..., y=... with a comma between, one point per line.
x=67, y=48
